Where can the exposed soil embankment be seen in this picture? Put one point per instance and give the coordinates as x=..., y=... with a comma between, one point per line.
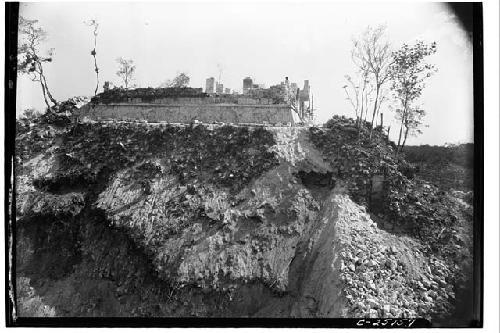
x=138, y=220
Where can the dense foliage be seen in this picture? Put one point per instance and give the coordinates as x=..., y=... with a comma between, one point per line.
x=226, y=156
x=449, y=167
x=118, y=95
x=461, y=154
x=355, y=158
x=411, y=206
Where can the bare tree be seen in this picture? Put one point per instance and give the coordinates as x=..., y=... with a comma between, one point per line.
x=358, y=92
x=372, y=55
x=94, y=24
x=366, y=91
x=126, y=71
x=408, y=74
x=353, y=96
x=30, y=62
x=365, y=94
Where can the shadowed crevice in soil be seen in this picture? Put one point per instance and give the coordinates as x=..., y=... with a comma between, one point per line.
x=83, y=267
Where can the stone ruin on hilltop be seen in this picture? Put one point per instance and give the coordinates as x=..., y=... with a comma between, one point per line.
x=279, y=105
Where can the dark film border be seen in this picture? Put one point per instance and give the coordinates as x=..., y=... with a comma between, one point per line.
x=10, y=84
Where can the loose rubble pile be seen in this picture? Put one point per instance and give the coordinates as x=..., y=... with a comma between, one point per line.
x=386, y=276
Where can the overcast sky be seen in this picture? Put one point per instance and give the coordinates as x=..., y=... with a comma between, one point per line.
x=300, y=40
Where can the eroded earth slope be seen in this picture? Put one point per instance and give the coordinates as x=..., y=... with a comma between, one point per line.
x=154, y=220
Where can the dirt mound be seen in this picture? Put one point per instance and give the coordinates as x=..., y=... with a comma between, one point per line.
x=228, y=221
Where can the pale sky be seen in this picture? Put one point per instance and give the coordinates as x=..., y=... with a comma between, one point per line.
x=267, y=41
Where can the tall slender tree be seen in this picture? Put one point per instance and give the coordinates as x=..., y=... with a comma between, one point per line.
x=95, y=25
x=408, y=72
x=29, y=58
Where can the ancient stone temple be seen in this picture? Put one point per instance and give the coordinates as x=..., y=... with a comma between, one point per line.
x=276, y=106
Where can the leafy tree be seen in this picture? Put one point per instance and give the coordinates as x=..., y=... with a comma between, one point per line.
x=412, y=122
x=107, y=85
x=180, y=81
x=30, y=60
x=371, y=53
x=408, y=74
x=30, y=114
x=126, y=71
x=95, y=25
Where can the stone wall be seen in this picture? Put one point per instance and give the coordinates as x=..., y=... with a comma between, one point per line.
x=258, y=113
x=220, y=99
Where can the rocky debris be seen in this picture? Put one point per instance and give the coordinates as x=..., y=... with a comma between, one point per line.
x=385, y=275
x=38, y=202
x=293, y=146
x=466, y=197
x=204, y=238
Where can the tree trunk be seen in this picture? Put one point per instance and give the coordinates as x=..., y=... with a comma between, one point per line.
x=52, y=99
x=400, y=134
x=97, y=76
x=404, y=141
x=374, y=108
x=366, y=106
x=362, y=110
x=403, y=122
x=44, y=95
x=43, y=81
x=95, y=64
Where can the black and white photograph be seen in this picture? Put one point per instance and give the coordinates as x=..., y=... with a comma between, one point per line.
x=242, y=164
